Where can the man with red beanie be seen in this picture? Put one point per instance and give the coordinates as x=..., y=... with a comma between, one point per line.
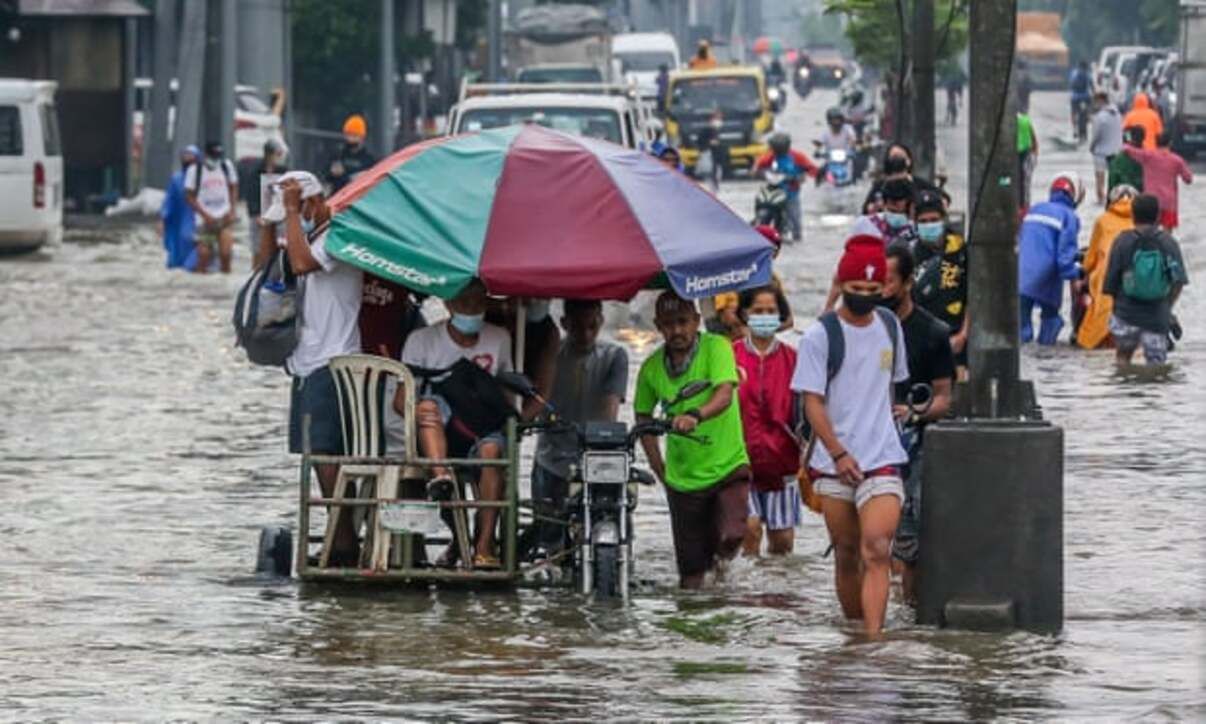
x=846, y=367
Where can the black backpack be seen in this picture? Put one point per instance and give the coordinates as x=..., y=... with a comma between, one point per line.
x=476, y=398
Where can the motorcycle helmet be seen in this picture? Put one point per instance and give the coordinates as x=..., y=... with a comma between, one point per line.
x=780, y=143
x=834, y=115
x=1069, y=183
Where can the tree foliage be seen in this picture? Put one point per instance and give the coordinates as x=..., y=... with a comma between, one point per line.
x=874, y=28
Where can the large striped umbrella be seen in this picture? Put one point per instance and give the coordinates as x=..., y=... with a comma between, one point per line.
x=539, y=213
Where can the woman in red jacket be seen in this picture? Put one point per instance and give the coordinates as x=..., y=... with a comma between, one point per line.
x=765, y=366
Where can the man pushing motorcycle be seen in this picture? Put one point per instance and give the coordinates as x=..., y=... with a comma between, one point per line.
x=793, y=165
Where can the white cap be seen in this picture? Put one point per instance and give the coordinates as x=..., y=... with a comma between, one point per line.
x=310, y=186
x=864, y=225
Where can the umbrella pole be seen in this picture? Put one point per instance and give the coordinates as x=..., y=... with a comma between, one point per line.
x=521, y=328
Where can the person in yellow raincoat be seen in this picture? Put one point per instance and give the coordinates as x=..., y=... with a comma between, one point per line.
x=1094, y=328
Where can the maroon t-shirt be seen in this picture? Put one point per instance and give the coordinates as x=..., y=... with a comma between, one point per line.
x=383, y=315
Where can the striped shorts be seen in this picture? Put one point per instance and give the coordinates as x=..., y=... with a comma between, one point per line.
x=778, y=509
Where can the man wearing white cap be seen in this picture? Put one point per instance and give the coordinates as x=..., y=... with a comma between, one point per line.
x=330, y=311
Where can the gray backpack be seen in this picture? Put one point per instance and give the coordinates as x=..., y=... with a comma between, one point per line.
x=267, y=313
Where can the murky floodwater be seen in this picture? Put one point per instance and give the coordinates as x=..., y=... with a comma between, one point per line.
x=139, y=455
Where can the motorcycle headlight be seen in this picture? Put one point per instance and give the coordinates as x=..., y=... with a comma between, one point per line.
x=607, y=468
x=804, y=73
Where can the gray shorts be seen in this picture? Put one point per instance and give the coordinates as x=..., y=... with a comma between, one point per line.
x=1128, y=338
x=871, y=487
x=1101, y=163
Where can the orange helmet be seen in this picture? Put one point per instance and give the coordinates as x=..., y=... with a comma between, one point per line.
x=355, y=126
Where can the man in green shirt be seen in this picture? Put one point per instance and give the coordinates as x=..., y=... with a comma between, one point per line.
x=707, y=480
x=1124, y=169
x=1027, y=155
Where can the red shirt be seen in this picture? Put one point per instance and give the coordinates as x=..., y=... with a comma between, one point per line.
x=802, y=161
x=767, y=405
x=383, y=311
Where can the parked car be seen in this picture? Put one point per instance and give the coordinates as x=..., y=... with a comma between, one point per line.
x=255, y=120
x=1125, y=81
x=641, y=55
x=1107, y=64
x=31, y=165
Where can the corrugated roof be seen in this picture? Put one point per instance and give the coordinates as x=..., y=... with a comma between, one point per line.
x=111, y=8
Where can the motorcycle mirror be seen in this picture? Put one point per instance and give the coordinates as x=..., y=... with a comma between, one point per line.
x=691, y=390
x=517, y=383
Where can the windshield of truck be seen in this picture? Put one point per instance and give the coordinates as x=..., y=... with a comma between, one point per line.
x=645, y=61
x=601, y=123
x=735, y=93
x=560, y=75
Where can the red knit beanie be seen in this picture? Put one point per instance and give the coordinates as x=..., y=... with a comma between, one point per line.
x=863, y=260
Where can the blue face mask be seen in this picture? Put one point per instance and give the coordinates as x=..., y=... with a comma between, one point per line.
x=307, y=226
x=468, y=323
x=538, y=310
x=896, y=220
x=930, y=231
x=764, y=325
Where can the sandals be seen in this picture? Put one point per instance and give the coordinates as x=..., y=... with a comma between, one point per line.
x=486, y=562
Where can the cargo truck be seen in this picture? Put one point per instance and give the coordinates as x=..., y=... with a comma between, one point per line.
x=560, y=44
x=1189, y=131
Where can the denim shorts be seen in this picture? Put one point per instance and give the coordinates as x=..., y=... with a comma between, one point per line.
x=315, y=395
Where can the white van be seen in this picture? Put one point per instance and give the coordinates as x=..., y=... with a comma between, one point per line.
x=641, y=54
x=31, y=165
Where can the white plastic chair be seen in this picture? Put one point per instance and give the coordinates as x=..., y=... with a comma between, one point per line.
x=359, y=382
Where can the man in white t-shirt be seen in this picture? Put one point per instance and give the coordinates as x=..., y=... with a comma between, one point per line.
x=465, y=335
x=330, y=310
x=212, y=188
x=838, y=134
x=857, y=459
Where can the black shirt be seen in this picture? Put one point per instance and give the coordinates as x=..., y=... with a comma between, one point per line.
x=928, y=346
x=940, y=282
x=1151, y=316
x=353, y=160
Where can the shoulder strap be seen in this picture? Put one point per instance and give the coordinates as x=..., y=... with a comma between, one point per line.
x=226, y=169
x=837, y=345
x=197, y=166
x=888, y=317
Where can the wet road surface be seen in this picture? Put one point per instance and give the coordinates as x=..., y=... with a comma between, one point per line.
x=139, y=455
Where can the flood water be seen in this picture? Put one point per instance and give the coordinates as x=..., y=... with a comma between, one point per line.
x=140, y=454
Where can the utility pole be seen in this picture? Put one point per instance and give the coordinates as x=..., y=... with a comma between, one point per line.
x=219, y=76
x=923, y=88
x=494, y=42
x=156, y=133
x=385, y=82
x=992, y=520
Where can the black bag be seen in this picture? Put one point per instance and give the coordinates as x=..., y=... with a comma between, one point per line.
x=478, y=404
x=267, y=313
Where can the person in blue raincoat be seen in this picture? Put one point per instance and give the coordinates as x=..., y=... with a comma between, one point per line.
x=1047, y=249
x=177, y=219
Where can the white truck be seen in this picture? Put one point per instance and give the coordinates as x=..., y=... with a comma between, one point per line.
x=1190, y=116
x=642, y=55
x=560, y=44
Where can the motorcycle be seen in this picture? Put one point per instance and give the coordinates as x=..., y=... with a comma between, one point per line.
x=801, y=80
x=602, y=495
x=837, y=176
x=770, y=205
x=777, y=97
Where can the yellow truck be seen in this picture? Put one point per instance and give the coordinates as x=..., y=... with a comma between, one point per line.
x=1040, y=43
x=739, y=93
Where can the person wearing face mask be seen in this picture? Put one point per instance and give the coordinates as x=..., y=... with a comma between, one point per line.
x=897, y=163
x=464, y=335
x=931, y=362
x=590, y=381
x=940, y=286
x=898, y=212
x=212, y=187
x=541, y=340
x=353, y=157
x=765, y=366
x=330, y=308
x=846, y=368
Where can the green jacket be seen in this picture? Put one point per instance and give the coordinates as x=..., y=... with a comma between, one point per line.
x=1125, y=170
